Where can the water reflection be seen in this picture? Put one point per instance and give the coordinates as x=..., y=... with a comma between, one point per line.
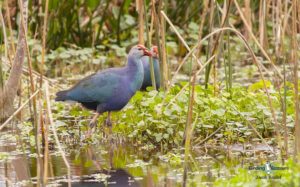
x=14, y=166
x=116, y=178
x=101, y=176
x=109, y=164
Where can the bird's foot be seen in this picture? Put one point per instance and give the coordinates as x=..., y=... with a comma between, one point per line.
x=108, y=123
x=92, y=124
x=90, y=130
x=88, y=134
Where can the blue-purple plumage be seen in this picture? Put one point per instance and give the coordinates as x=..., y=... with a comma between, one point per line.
x=110, y=89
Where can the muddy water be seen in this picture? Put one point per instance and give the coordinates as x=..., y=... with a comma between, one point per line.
x=111, y=164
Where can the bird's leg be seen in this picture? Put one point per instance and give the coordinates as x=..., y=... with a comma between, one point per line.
x=108, y=122
x=92, y=124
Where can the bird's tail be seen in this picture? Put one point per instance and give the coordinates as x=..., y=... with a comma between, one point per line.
x=61, y=96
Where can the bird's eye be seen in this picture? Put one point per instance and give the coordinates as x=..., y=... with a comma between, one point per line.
x=139, y=49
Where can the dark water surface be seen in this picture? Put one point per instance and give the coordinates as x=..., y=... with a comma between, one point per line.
x=112, y=164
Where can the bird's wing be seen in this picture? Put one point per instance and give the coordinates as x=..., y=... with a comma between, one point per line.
x=96, y=87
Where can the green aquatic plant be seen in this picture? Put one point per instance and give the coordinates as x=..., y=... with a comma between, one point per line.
x=157, y=119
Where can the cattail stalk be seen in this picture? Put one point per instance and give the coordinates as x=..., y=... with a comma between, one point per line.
x=5, y=49
x=284, y=111
x=203, y=16
x=216, y=44
x=44, y=42
x=10, y=27
x=140, y=10
x=52, y=125
x=248, y=18
x=294, y=59
x=149, y=46
x=189, y=127
x=262, y=23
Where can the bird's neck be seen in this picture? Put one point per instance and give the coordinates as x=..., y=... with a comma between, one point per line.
x=132, y=61
x=155, y=60
x=135, y=72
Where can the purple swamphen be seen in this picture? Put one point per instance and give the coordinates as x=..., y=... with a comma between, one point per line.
x=111, y=89
x=147, y=74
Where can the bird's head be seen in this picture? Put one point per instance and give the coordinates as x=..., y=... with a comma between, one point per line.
x=154, y=51
x=139, y=51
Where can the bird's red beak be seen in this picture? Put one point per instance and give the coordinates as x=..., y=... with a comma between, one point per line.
x=155, y=51
x=147, y=52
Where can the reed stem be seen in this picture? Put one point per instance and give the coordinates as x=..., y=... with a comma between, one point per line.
x=149, y=46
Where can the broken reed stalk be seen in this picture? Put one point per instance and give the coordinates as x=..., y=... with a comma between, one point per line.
x=149, y=46
x=255, y=40
x=185, y=86
x=19, y=109
x=48, y=104
x=180, y=37
x=202, y=16
x=294, y=59
x=44, y=42
x=165, y=69
x=140, y=10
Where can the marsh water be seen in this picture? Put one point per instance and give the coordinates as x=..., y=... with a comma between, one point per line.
x=123, y=164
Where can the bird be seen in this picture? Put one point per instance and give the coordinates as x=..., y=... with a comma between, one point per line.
x=147, y=74
x=110, y=89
